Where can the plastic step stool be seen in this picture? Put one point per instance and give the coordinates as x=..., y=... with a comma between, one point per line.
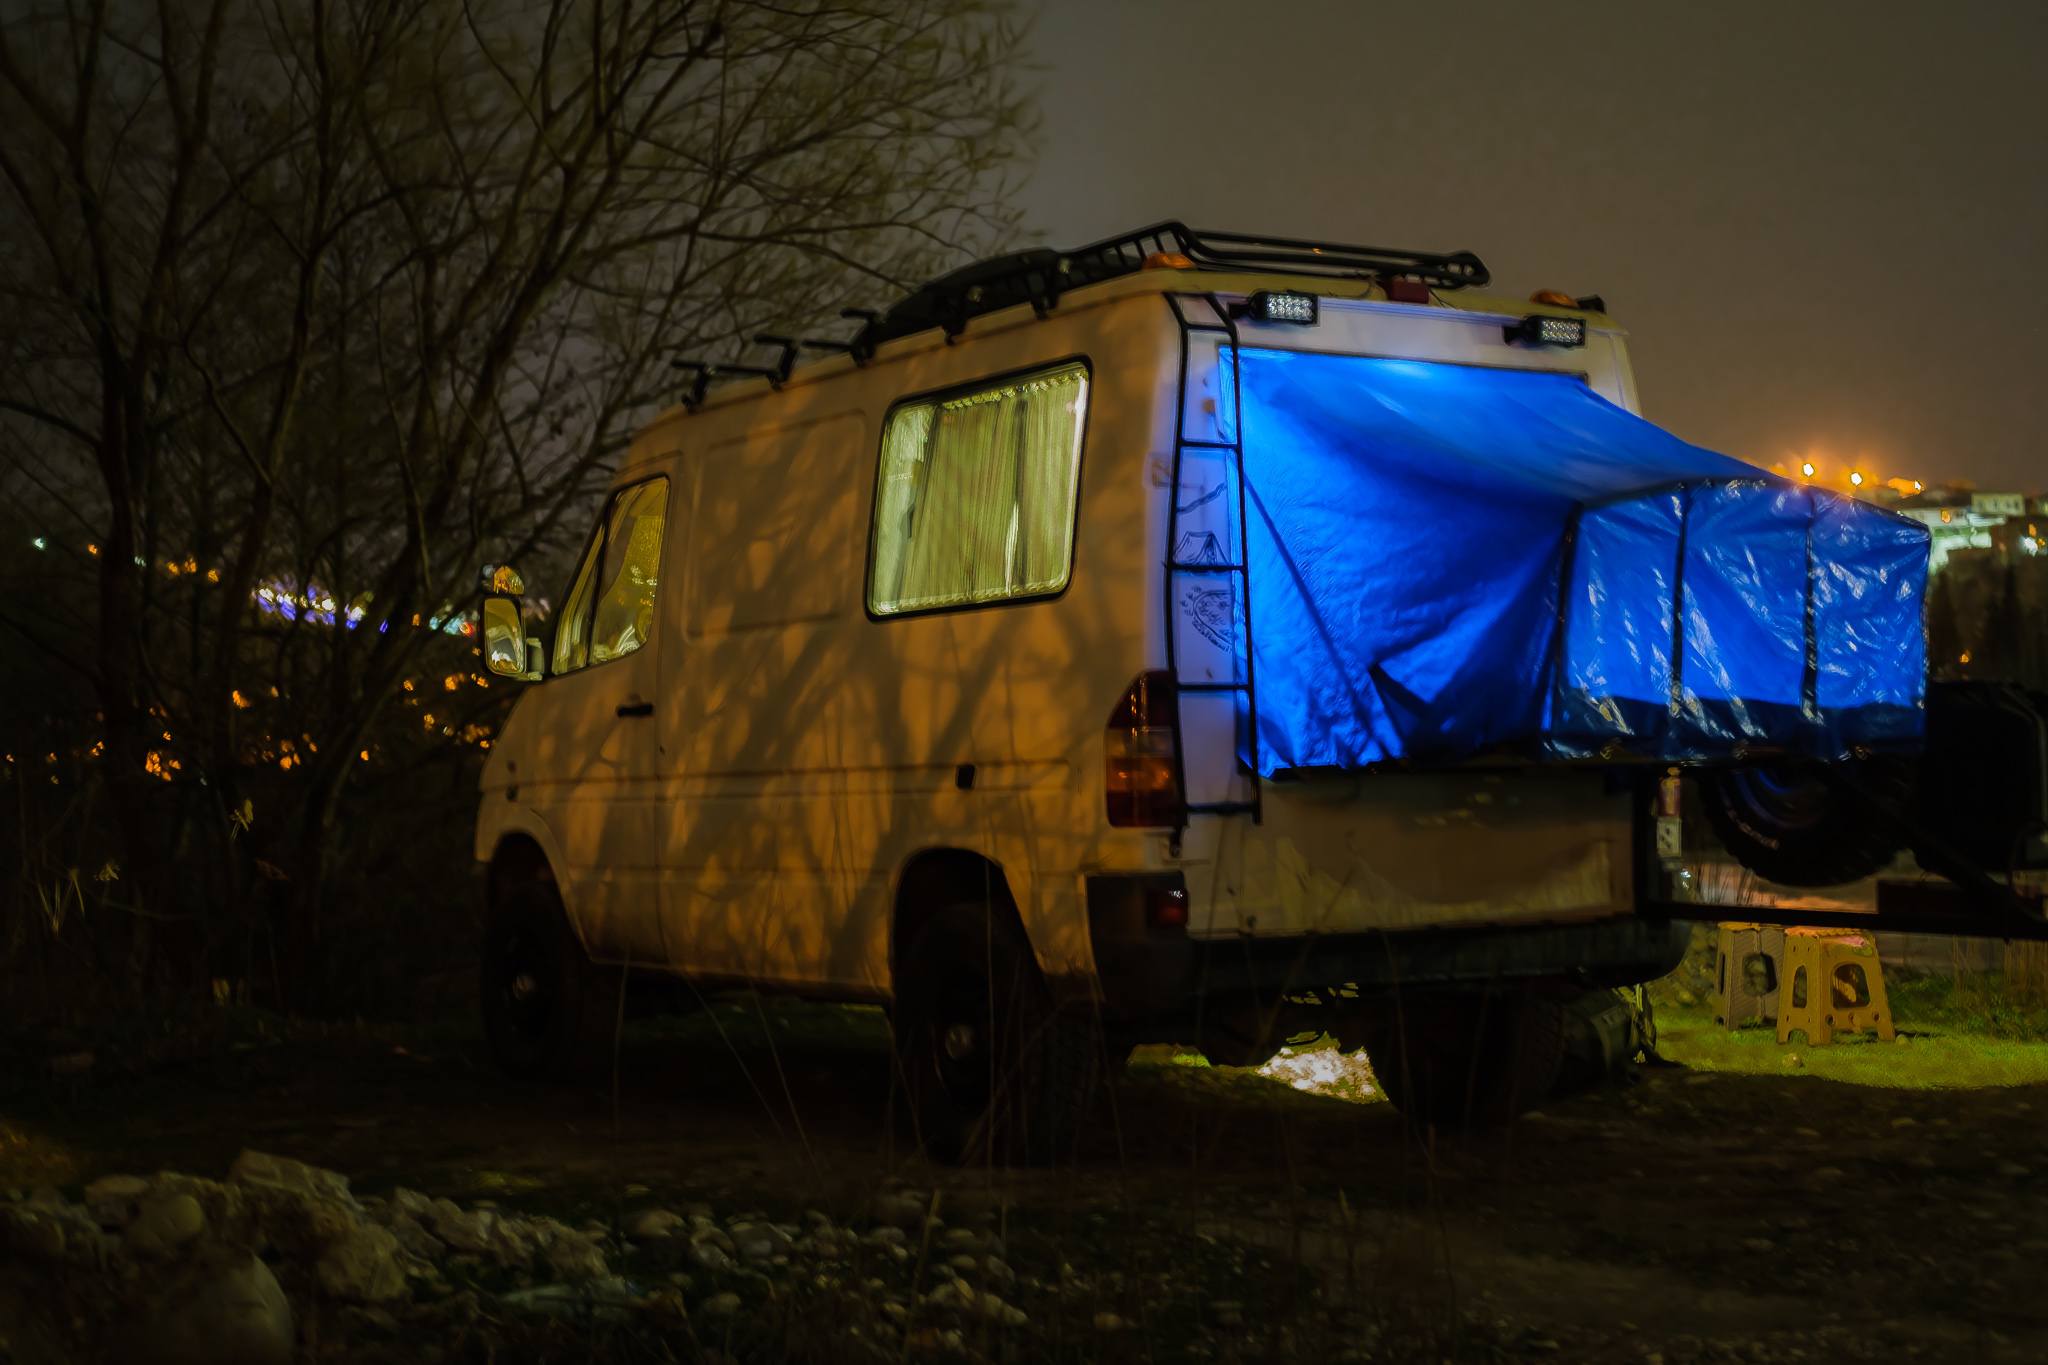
x=1749, y=964
x=1833, y=984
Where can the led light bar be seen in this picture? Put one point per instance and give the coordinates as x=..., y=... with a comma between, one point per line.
x=1282, y=305
x=1538, y=330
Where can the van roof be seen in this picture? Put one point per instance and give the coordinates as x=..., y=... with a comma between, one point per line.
x=1169, y=257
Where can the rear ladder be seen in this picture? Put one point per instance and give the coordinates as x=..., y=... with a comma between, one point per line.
x=1195, y=560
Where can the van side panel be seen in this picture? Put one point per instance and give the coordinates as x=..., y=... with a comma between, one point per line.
x=816, y=750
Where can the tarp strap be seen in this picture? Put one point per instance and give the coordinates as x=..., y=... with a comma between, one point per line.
x=1567, y=563
x=1809, y=679
x=1678, y=606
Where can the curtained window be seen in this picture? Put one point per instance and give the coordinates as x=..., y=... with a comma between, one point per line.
x=974, y=499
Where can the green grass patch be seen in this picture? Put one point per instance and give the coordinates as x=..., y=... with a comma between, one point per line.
x=1932, y=1055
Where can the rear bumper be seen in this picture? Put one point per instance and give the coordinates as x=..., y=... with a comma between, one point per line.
x=1145, y=972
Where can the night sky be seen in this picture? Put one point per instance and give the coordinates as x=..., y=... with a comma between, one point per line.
x=1825, y=225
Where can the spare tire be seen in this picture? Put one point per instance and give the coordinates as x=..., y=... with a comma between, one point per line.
x=1793, y=826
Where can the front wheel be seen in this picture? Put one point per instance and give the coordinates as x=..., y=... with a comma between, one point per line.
x=990, y=1067
x=547, y=1011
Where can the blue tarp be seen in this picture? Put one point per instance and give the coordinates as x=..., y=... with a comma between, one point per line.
x=1447, y=560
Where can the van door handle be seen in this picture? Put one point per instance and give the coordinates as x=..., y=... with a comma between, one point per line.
x=636, y=708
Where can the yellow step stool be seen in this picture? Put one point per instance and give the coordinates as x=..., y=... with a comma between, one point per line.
x=1748, y=960
x=1833, y=983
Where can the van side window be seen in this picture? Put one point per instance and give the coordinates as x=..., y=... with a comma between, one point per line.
x=610, y=609
x=974, y=497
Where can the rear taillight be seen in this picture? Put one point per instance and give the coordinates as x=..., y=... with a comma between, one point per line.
x=1140, y=776
x=1166, y=906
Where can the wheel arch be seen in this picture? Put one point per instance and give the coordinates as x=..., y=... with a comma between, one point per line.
x=525, y=851
x=933, y=878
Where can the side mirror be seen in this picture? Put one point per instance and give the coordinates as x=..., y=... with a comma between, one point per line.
x=507, y=651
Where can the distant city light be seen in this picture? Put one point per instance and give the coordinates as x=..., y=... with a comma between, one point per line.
x=40, y=543
x=1807, y=469
x=1919, y=487
x=1856, y=478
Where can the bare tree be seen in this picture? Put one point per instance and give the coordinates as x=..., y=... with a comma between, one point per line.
x=316, y=303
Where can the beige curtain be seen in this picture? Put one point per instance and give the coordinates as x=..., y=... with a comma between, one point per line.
x=975, y=499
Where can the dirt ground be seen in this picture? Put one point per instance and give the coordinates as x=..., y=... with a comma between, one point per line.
x=1696, y=1215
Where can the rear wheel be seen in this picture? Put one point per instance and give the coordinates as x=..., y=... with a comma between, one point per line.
x=1790, y=826
x=1469, y=1059
x=990, y=1067
x=548, y=1012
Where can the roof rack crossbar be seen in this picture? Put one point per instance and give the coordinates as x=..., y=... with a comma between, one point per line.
x=1040, y=276
x=708, y=370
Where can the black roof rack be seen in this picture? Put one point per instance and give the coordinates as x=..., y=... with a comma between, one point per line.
x=1039, y=276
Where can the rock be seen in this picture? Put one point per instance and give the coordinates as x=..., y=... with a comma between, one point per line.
x=31, y=1234
x=959, y=1239
x=263, y=1170
x=1227, y=1312
x=886, y=1237
x=958, y=1294
x=1759, y=1244
x=1903, y=1122
x=705, y=1255
x=231, y=1313
x=999, y=1270
x=165, y=1223
x=410, y=1202
x=2012, y=1170
x=652, y=1225
x=415, y=1240
x=995, y=1310
x=482, y=1232
x=611, y=1299
x=573, y=1256
x=301, y=1209
x=758, y=1241
x=935, y=1340
x=720, y=1305
x=901, y=1210
x=113, y=1199
x=461, y=1230
x=362, y=1266
x=1108, y=1322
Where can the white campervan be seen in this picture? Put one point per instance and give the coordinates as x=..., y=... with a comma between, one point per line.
x=923, y=674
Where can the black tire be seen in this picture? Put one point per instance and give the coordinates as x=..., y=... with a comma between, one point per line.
x=991, y=1070
x=1791, y=827
x=1472, y=1059
x=548, y=1012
